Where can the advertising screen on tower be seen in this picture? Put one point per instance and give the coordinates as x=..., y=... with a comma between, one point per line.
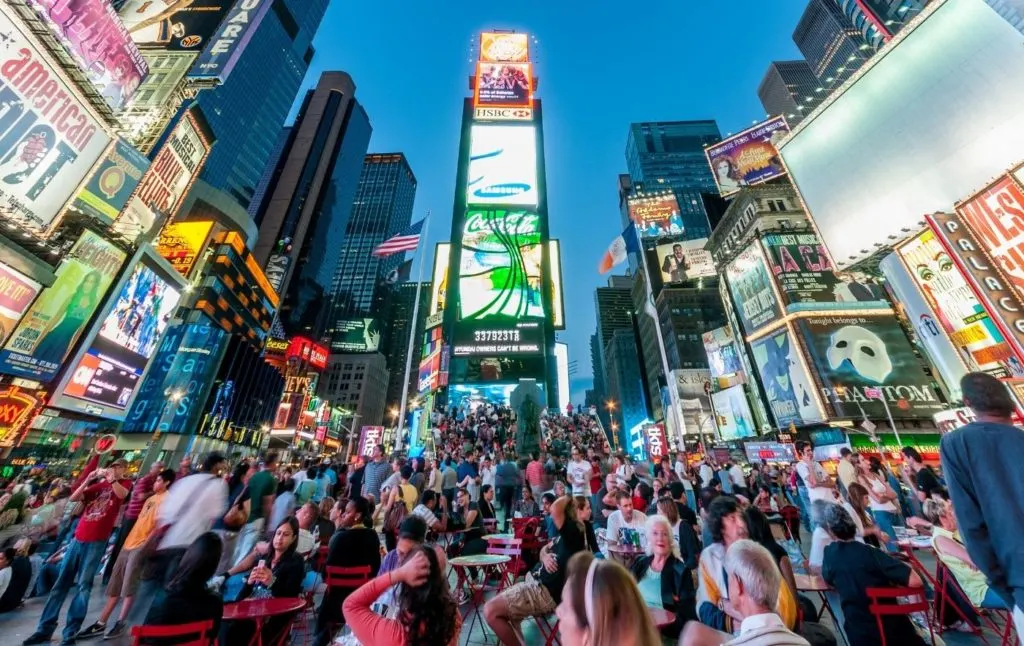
x=751, y=288
x=787, y=385
x=49, y=138
x=439, y=278
x=502, y=165
x=113, y=182
x=500, y=266
x=503, y=85
x=720, y=346
x=224, y=48
x=852, y=355
x=179, y=25
x=17, y=291
x=735, y=420
x=51, y=327
x=996, y=216
x=504, y=48
x=805, y=274
x=181, y=243
x=684, y=260
x=356, y=335
x=656, y=216
x=498, y=339
x=92, y=33
x=557, y=301
x=977, y=339
x=748, y=158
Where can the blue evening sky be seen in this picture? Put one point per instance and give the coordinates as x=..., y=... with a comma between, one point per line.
x=601, y=65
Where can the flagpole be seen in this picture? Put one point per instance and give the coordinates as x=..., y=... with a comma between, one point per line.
x=412, y=335
x=673, y=389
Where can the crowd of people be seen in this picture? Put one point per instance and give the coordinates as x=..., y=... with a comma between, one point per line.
x=717, y=546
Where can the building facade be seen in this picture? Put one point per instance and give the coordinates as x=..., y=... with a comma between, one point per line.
x=624, y=384
x=399, y=303
x=358, y=383
x=830, y=43
x=789, y=88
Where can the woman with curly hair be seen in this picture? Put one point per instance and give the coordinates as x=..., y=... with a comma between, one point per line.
x=427, y=613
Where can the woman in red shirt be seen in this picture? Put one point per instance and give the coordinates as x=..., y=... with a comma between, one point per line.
x=427, y=612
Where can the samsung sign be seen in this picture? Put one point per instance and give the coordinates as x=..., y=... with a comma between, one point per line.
x=226, y=46
x=502, y=165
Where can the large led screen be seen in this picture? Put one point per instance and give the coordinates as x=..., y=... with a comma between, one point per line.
x=720, y=347
x=503, y=85
x=786, y=383
x=557, y=301
x=734, y=418
x=183, y=25
x=748, y=158
x=930, y=121
x=806, y=278
x=500, y=266
x=751, y=288
x=439, y=278
x=684, y=260
x=502, y=165
x=656, y=216
x=503, y=47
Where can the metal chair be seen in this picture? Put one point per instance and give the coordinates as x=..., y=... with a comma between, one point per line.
x=885, y=602
x=199, y=631
x=511, y=547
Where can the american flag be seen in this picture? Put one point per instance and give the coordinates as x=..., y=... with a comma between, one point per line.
x=406, y=240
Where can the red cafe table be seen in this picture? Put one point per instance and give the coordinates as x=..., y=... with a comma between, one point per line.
x=259, y=611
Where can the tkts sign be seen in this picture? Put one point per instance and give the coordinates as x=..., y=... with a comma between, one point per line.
x=992, y=286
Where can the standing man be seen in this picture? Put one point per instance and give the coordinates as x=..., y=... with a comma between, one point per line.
x=449, y=479
x=535, y=476
x=707, y=472
x=101, y=494
x=376, y=472
x=847, y=470
x=506, y=478
x=141, y=492
x=982, y=463
x=925, y=481
x=262, y=488
x=578, y=471
x=812, y=481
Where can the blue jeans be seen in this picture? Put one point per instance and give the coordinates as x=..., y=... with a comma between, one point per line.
x=78, y=569
x=993, y=601
x=885, y=521
x=804, y=498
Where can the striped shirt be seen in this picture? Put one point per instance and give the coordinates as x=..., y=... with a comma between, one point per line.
x=376, y=474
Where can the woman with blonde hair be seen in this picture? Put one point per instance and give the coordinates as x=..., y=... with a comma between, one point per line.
x=664, y=578
x=601, y=606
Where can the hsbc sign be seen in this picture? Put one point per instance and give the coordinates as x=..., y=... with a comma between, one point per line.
x=503, y=114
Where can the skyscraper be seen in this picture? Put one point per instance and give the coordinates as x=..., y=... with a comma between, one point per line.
x=664, y=155
x=305, y=213
x=624, y=384
x=248, y=110
x=789, y=89
x=382, y=208
x=879, y=20
x=399, y=303
x=832, y=45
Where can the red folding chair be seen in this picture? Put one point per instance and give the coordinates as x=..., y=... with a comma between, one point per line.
x=548, y=632
x=199, y=633
x=511, y=547
x=886, y=602
x=948, y=583
x=344, y=578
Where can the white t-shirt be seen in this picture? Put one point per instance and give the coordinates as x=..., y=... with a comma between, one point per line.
x=579, y=477
x=815, y=493
x=736, y=475
x=191, y=506
x=487, y=476
x=615, y=521
x=706, y=474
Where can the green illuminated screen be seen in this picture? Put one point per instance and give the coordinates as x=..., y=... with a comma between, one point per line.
x=500, y=265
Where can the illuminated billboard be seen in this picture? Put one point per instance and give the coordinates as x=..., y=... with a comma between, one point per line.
x=748, y=158
x=996, y=216
x=684, y=260
x=17, y=291
x=168, y=180
x=656, y=216
x=735, y=420
x=959, y=51
x=852, y=355
x=502, y=165
x=751, y=288
x=804, y=273
x=51, y=327
x=439, y=278
x=504, y=48
x=429, y=372
x=498, y=339
x=787, y=385
x=562, y=368
x=503, y=85
x=175, y=26
x=181, y=243
x=92, y=33
x=557, y=301
x=308, y=352
x=720, y=346
x=961, y=316
x=49, y=138
x=113, y=182
x=356, y=335
x=224, y=48
x=108, y=373
x=500, y=265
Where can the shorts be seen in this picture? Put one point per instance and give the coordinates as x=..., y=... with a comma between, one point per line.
x=528, y=599
x=124, y=580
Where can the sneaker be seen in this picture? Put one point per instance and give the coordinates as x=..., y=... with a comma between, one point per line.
x=94, y=630
x=116, y=630
x=36, y=638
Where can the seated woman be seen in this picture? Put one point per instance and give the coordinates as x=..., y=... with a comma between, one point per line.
x=686, y=538
x=187, y=598
x=950, y=550
x=859, y=508
x=851, y=568
x=427, y=613
x=273, y=567
x=526, y=507
x=585, y=513
x=664, y=579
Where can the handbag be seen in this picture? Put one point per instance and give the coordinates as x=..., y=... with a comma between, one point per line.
x=395, y=514
x=238, y=513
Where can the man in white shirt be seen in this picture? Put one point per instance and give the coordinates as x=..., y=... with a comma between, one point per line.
x=739, y=481
x=818, y=483
x=754, y=582
x=578, y=471
x=847, y=470
x=706, y=472
x=680, y=467
x=624, y=516
x=487, y=473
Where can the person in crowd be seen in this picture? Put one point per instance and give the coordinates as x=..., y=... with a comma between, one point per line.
x=584, y=512
x=427, y=615
x=8, y=581
x=286, y=501
x=664, y=577
x=526, y=506
x=355, y=543
x=273, y=567
x=881, y=498
x=419, y=478
x=184, y=467
x=411, y=534
x=469, y=477
x=187, y=598
x=547, y=524
x=847, y=470
x=851, y=567
x=470, y=518
x=486, y=505
x=714, y=606
x=578, y=472
x=686, y=537
x=431, y=505
x=820, y=538
x=739, y=480
x=28, y=548
x=601, y=605
x=678, y=493
x=434, y=477
x=377, y=471
x=304, y=489
x=486, y=472
x=237, y=483
x=858, y=505
x=449, y=481
x=261, y=490
x=605, y=502
x=624, y=517
x=405, y=490
x=307, y=518
x=643, y=496
x=324, y=524
x=141, y=490
x=539, y=597
x=754, y=584
x=101, y=493
x=535, y=476
x=921, y=476
x=506, y=481
x=817, y=483
x=356, y=478
x=126, y=572
x=624, y=476
x=759, y=530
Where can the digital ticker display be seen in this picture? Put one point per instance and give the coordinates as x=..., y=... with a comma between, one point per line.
x=515, y=338
x=500, y=265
